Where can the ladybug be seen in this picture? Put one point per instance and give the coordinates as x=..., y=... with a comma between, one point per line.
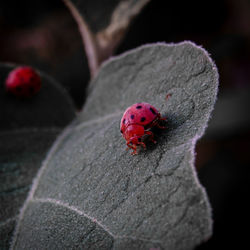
x=23, y=82
x=137, y=121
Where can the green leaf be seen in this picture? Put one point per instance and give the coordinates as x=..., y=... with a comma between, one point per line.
x=103, y=28
x=28, y=127
x=92, y=194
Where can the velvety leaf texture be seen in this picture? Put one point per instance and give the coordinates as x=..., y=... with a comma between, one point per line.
x=28, y=127
x=92, y=194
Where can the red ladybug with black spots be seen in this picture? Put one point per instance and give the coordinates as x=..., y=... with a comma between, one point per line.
x=23, y=81
x=137, y=121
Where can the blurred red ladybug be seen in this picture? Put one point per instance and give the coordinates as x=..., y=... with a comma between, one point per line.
x=23, y=82
x=137, y=121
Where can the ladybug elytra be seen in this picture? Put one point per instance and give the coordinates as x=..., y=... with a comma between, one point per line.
x=137, y=121
x=23, y=81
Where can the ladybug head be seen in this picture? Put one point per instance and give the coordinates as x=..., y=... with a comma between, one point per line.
x=133, y=133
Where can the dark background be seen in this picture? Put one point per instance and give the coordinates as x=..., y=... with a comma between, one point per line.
x=43, y=34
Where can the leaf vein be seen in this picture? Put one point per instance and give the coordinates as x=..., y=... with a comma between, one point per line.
x=94, y=220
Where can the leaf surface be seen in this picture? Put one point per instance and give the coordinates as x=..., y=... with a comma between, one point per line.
x=28, y=127
x=92, y=194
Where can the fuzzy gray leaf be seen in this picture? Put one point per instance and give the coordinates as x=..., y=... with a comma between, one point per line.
x=28, y=127
x=92, y=194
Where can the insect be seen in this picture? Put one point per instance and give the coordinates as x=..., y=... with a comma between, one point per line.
x=137, y=121
x=23, y=82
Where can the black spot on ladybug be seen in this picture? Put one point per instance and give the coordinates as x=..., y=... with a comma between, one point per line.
x=139, y=139
x=121, y=131
x=132, y=117
x=31, y=90
x=124, y=120
x=152, y=111
x=139, y=107
x=143, y=119
x=32, y=78
x=18, y=89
